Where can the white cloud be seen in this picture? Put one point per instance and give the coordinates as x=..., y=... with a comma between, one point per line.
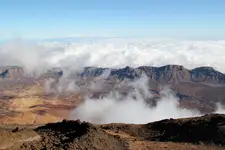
x=116, y=108
x=220, y=108
x=114, y=53
x=136, y=52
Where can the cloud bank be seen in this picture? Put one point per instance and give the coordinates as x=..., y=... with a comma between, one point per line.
x=114, y=53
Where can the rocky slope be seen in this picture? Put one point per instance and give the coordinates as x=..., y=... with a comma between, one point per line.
x=206, y=132
x=206, y=129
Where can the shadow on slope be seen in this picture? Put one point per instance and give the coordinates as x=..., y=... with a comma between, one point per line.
x=207, y=129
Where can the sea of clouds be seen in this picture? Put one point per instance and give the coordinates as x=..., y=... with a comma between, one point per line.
x=37, y=57
x=113, y=52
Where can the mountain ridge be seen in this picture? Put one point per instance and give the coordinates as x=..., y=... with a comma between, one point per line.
x=163, y=74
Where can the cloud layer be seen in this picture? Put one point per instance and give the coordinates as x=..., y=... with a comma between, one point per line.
x=113, y=53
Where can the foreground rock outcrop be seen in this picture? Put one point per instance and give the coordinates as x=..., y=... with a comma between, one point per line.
x=70, y=135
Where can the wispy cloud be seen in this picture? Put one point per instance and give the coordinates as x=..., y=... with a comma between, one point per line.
x=132, y=108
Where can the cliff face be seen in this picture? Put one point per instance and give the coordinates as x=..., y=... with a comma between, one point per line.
x=207, y=74
x=167, y=74
x=164, y=74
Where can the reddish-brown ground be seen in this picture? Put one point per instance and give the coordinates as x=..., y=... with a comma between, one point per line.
x=29, y=104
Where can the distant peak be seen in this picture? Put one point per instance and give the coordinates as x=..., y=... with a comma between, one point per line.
x=205, y=68
x=176, y=67
x=171, y=67
x=127, y=68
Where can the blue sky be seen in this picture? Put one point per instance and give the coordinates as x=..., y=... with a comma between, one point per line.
x=112, y=18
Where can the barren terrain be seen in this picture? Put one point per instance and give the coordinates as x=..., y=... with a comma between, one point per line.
x=206, y=133
x=32, y=117
x=29, y=104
